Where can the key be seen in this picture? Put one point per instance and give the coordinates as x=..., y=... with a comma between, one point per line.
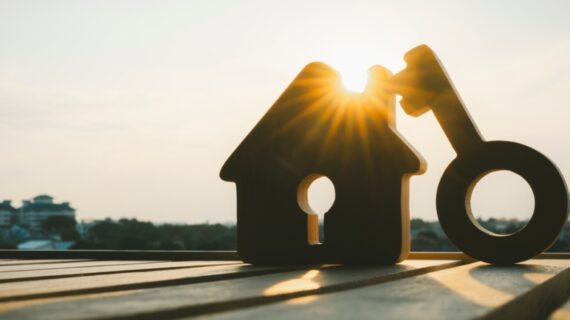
x=424, y=85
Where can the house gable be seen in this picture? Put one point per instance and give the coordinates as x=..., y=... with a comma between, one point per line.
x=314, y=106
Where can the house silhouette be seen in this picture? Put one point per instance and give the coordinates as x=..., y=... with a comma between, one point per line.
x=314, y=129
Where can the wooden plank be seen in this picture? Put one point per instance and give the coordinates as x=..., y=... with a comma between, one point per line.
x=428, y=255
x=553, y=255
x=120, y=254
x=196, y=255
x=202, y=298
x=20, y=291
x=431, y=255
x=541, y=300
x=101, y=268
x=562, y=313
x=470, y=291
x=65, y=265
x=19, y=262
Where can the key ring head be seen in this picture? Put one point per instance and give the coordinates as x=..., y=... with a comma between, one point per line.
x=548, y=186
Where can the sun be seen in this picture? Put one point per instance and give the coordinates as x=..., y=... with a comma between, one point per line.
x=354, y=79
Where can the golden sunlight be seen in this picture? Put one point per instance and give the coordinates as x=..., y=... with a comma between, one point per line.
x=352, y=63
x=354, y=79
x=305, y=282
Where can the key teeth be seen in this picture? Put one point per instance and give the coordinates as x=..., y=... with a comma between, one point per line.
x=412, y=108
x=424, y=79
x=418, y=53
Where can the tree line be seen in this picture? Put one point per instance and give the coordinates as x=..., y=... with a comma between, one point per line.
x=131, y=234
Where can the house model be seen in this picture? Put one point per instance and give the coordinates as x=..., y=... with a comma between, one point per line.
x=316, y=128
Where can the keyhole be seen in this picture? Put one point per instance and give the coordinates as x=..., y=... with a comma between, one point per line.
x=316, y=196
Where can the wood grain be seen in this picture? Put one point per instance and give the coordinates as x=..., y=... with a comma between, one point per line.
x=441, y=289
x=27, y=290
x=64, y=265
x=465, y=292
x=208, y=297
x=119, y=254
x=102, y=268
x=19, y=262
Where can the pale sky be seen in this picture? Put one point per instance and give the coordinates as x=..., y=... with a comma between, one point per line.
x=130, y=108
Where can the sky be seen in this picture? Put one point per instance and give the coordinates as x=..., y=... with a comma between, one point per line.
x=130, y=108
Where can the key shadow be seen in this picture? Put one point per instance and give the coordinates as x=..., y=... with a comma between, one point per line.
x=520, y=275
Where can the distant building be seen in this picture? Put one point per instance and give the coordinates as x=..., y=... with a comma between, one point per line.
x=34, y=213
x=8, y=214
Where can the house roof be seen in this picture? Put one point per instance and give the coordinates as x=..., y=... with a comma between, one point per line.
x=314, y=91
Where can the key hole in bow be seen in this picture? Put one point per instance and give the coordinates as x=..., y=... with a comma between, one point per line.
x=316, y=195
x=501, y=202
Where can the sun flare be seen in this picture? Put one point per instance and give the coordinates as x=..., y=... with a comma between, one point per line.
x=354, y=79
x=352, y=67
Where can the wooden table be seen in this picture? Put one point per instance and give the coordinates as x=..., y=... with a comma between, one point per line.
x=427, y=286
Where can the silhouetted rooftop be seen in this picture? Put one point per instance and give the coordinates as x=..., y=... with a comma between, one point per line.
x=47, y=207
x=6, y=205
